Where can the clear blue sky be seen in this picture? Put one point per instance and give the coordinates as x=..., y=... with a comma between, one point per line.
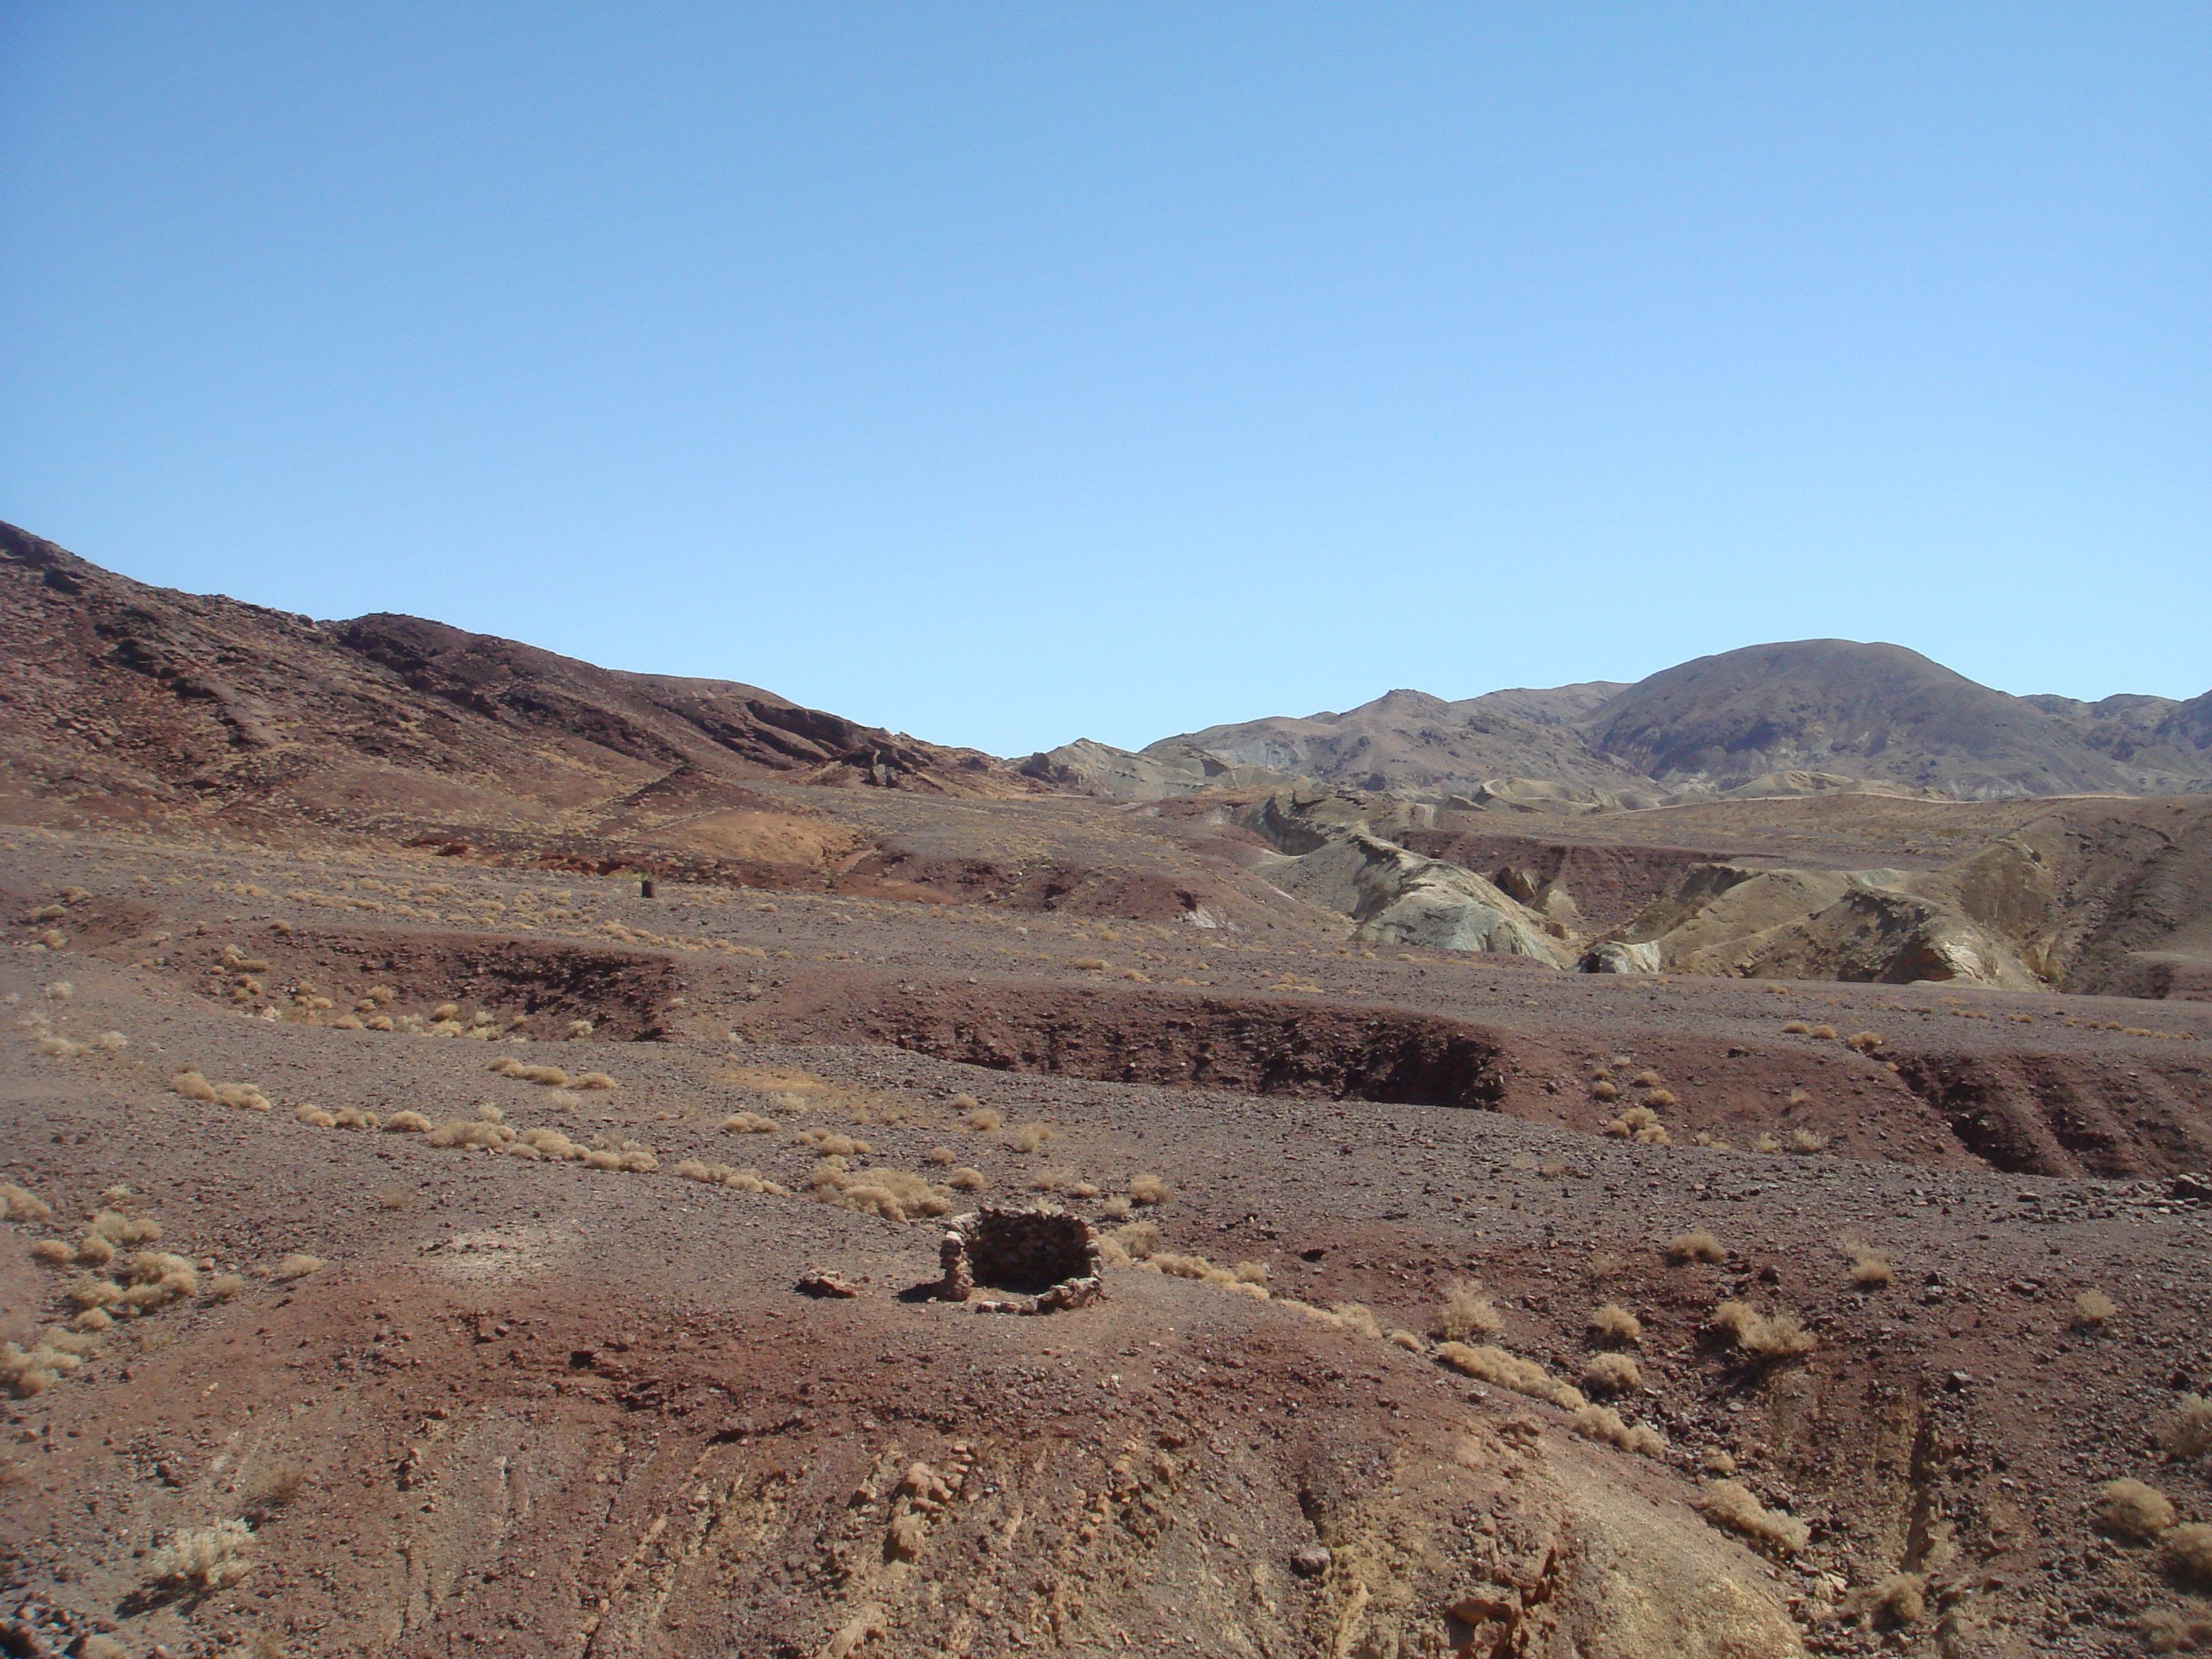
x=1008, y=373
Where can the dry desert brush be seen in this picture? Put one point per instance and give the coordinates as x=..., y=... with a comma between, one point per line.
x=1731, y=1504
x=2130, y=1509
x=202, y=1558
x=1893, y=1600
x=2188, y=1432
x=191, y=1085
x=1603, y=1423
x=2187, y=1555
x=1778, y=1336
x=1510, y=1370
x=1699, y=1246
x=1870, y=1270
x=1612, y=1373
x=1614, y=1324
x=2093, y=1311
x=21, y=1204
x=1465, y=1311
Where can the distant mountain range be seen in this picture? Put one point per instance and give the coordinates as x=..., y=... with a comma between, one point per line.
x=1775, y=719
x=129, y=701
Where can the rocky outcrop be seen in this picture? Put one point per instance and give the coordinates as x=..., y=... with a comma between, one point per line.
x=2084, y=898
x=1407, y=743
x=1158, y=774
x=1866, y=926
x=1548, y=798
x=1394, y=896
x=2065, y=1115
x=1614, y=956
x=660, y=718
x=1789, y=785
x=1581, y=1559
x=2108, y=896
x=2188, y=727
x=1330, y=856
x=1609, y=885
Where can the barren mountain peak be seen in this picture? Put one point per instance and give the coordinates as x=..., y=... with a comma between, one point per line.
x=1832, y=708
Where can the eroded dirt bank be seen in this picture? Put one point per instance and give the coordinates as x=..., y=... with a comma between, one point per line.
x=465, y=1398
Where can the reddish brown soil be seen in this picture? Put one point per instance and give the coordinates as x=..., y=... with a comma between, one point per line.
x=533, y=1407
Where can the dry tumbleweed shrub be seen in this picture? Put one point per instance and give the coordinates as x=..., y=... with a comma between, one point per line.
x=1869, y=1271
x=1247, y=1278
x=193, y=1086
x=1699, y=1246
x=749, y=1123
x=1897, y=1600
x=2093, y=1308
x=1780, y=1337
x=202, y=1558
x=1612, y=1373
x=1615, y=1324
x=1731, y=1503
x=2164, y=1630
x=1603, y=1423
x=1465, y=1312
x=2187, y=1552
x=2188, y=1432
x=2132, y=1510
x=21, y=1204
x=1510, y=1370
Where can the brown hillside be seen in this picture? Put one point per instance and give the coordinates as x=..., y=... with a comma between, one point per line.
x=1872, y=711
x=132, y=701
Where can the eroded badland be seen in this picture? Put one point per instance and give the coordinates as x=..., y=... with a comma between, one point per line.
x=422, y=1242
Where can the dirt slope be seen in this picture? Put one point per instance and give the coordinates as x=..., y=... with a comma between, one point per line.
x=1410, y=743
x=133, y=702
x=526, y=1405
x=133, y=706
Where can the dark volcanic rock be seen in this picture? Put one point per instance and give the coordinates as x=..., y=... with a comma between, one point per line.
x=1868, y=711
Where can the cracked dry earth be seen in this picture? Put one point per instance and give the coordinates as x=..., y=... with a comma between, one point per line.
x=414, y=1398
